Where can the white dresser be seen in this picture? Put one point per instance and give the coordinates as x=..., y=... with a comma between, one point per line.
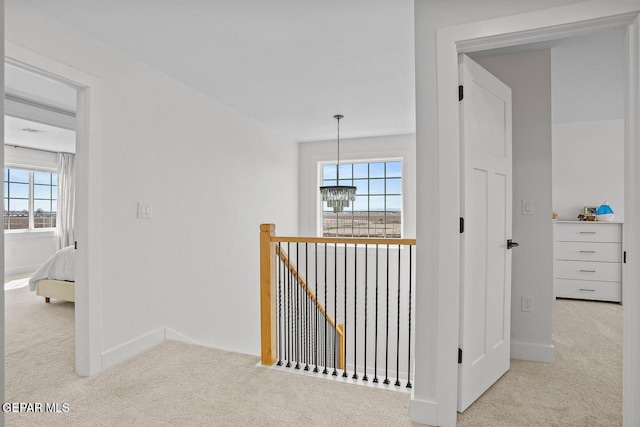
x=588, y=260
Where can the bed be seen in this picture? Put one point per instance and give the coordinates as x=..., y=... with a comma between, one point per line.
x=56, y=277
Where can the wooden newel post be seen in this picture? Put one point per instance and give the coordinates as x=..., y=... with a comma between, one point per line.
x=267, y=294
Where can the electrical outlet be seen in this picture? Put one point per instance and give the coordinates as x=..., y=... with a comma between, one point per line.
x=527, y=303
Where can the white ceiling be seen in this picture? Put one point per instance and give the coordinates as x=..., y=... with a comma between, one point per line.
x=290, y=64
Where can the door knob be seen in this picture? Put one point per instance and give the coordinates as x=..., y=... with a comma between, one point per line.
x=512, y=244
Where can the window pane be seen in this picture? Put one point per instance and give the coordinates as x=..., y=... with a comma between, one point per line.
x=329, y=172
x=376, y=203
x=362, y=186
x=54, y=178
x=376, y=186
x=6, y=174
x=18, y=190
x=361, y=203
x=54, y=206
x=394, y=169
x=54, y=192
x=42, y=192
x=19, y=205
x=348, y=182
x=328, y=183
x=346, y=171
x=40, y=177
x=394, y=203
x=361, y=170
x=394, y=186
x=41, y=207
x=19, y=175
x=376, y=170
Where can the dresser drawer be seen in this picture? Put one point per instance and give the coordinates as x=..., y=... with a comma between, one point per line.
x=586, y=232
x=584, y=270
x=587, y=289
x=589, y=251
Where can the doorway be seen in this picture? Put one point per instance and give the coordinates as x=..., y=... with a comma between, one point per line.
x=88, y=141
x=514, y=31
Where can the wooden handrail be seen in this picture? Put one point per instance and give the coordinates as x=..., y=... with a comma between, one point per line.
x=345, y=240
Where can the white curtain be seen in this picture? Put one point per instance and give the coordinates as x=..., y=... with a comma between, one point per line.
x=66, y=199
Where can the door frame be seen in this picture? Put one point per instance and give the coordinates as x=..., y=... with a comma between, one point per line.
x=88, y=328
x=549, y=24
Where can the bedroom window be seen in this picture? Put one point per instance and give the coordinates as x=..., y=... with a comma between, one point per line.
x=377, y=210
x=30, y=199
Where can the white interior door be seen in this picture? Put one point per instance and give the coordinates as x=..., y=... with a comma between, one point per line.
x=485, y=291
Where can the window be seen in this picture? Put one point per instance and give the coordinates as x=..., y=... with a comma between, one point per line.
x=30, y=199
x=377, y=210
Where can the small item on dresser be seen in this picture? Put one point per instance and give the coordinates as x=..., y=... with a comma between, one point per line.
x=604, y=212
x=582, y=217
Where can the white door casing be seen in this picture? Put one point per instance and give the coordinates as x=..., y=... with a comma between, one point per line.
x=486, y=206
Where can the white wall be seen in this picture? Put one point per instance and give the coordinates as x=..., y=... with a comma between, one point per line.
x=24, y=252
x=588, y=75
x=356, y=149
x=528, y=74
x=212, y=176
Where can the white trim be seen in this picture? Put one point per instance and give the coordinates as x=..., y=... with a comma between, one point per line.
x=132, y=348
x=631, y=233
x=443, y=251
x=533, y=352
x=88, y=141
x=171, y=335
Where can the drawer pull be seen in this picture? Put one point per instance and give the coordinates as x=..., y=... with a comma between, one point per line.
x=587, y=290
x=587, y=232
x=587, y=252
x=587, y=271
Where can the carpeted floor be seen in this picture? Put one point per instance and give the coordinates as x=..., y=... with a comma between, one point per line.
x=182, y=384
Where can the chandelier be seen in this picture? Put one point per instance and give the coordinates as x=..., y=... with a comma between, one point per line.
x=338, y=196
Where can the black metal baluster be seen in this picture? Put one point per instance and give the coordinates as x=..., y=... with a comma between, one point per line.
x=366, y=301
x=397, y=383
x=335, y=308
x=355, y=310
x=297, y=324
x=288, y=347
x=386, y=355
x=307, y=298
x=326, y=320
x=375, y=363
x=316, y=308
x=279, y=329
x=344, y=331
x=409, y=352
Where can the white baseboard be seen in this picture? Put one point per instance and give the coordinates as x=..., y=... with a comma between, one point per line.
x=142, y=343
x=533, y=352
x=132, y=348
x=170, y=334
x=424, y=412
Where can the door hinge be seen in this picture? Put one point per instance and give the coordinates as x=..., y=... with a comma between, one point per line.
x=624, y=257
x=75, y=245
x=459, y=355
x=461, y=225
x=460, y=93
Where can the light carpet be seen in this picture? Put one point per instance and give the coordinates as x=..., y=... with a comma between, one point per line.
x=183, y=384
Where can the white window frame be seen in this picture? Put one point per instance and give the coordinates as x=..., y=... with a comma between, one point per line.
x=312, y=155
x=321, y=210
x=31, y=170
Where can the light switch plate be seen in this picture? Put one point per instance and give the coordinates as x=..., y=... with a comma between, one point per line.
x=527, y=207
x=144, y=210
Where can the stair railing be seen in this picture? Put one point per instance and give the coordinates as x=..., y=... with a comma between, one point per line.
x=302, y=299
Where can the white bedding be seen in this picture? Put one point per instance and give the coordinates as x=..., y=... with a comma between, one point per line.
x=60, y=266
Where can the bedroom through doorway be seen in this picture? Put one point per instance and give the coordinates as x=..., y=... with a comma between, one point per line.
x=39, y=199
